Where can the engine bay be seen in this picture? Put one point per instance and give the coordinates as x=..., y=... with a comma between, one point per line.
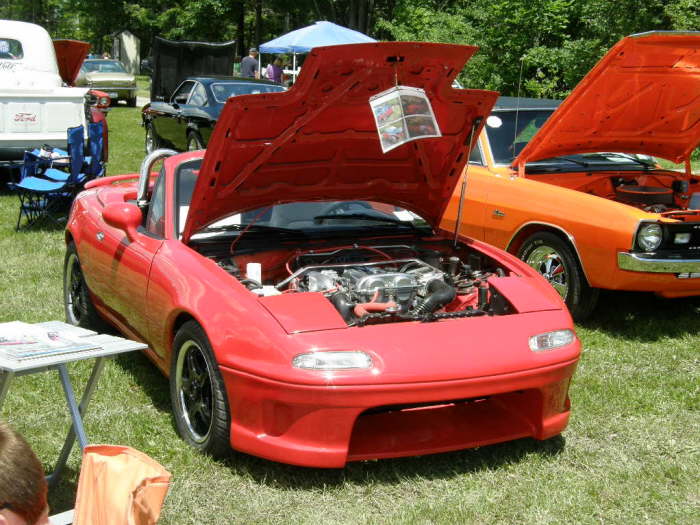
x=656, y=192
x=369, y=284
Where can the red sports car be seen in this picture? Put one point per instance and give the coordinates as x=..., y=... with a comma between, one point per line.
x=292, y=283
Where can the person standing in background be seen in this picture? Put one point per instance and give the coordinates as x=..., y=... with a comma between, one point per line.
x=249, y=64
x=274, y=70
x=23, y=486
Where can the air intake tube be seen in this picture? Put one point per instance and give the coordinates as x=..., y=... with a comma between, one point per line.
x=439, y=294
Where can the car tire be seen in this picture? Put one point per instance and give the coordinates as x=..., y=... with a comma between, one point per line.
x=198, y=394
x=152, y=141
x=556, y=261
x=194, y=141
x=78, y=305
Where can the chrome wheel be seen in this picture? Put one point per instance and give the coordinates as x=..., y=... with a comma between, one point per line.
x=193, y=142
x=548, y=262
x=74, y=290
x=151, y=142
x=194, y=390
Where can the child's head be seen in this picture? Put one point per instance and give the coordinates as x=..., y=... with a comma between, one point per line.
x=22, y=484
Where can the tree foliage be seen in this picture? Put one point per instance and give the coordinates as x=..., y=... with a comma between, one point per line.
x=537, y=48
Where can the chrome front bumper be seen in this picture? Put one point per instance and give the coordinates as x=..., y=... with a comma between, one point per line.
x=634, y=262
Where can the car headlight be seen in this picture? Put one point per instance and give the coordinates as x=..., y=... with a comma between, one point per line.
x=332, y=360
x=551, y=340
x=649, y=237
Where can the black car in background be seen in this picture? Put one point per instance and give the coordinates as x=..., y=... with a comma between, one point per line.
x=185, y=121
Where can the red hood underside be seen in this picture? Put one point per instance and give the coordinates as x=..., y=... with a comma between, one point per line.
x=318, y=140
x=70, y=55
x=642, y=97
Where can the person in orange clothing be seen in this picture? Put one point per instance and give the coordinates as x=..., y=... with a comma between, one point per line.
x=23, y=487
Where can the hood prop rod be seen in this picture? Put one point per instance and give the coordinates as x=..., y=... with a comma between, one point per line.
x=462, y=192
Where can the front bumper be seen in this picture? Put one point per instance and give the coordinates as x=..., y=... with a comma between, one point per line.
x=635, y=262
x=121, y=91
x=327, y=426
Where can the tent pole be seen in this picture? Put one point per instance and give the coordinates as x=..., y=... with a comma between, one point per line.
x=294, y=67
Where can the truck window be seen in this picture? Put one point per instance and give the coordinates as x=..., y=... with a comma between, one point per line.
x=10, y=49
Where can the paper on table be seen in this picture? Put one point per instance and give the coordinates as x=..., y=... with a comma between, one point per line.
x=22, y=341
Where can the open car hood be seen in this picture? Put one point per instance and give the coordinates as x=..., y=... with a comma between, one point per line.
x=70, y=55
x=318, y=141
x=642, y=97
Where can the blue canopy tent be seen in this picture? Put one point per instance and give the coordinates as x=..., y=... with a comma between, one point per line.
x=316, y=35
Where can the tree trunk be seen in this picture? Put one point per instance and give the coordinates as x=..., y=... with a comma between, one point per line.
x=240, y=29
x=258, y=22
x=353, y=18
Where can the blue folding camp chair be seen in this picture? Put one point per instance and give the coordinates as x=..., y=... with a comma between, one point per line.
x=90, y=166
x=45, y=191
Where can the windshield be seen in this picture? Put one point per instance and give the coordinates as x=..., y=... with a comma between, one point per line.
x=103, y=66
x=224, y=90
x=300, y=217
x=510, y=131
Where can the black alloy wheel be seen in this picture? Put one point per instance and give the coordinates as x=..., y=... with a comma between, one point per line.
x=197, y=392
x=78, y=305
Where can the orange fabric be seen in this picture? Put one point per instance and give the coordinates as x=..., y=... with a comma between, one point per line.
x=119, y=486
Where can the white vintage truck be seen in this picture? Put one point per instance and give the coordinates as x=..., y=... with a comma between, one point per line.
x=36, y=104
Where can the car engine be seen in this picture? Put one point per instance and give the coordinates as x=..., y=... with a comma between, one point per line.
x=365, y=291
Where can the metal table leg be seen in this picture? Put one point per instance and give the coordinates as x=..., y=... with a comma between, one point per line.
x=77, y=411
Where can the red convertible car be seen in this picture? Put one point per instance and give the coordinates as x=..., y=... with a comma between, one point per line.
x=292, y=283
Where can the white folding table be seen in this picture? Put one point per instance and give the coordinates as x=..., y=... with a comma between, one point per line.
x=106, y=346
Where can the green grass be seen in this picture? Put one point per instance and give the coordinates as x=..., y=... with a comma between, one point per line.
x=631, y=453
x=143, y=83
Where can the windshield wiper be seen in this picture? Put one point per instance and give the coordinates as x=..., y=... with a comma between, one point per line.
x=363, y=217
x=249, y=227
x=646, y=164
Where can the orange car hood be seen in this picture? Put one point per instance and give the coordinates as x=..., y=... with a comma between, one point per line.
x=70, y=55
x=318, y=141
x=642, y=97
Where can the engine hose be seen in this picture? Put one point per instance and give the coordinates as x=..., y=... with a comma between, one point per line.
x=342, y=303
x=440, y=294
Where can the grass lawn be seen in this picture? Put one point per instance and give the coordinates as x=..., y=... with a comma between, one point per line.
x=631, y=453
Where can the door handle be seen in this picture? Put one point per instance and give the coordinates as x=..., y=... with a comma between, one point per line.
x=498, y=213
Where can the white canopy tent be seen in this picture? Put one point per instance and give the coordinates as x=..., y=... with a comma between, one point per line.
x=316, y=35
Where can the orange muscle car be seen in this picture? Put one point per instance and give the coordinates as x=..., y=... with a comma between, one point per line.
x=573, y=190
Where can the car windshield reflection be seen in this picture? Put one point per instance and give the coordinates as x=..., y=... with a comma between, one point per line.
x=224, y=90
x=103, y=66
x=510, y=131
x=303, y=216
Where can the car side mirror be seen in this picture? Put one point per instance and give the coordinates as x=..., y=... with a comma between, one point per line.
x=124, y=216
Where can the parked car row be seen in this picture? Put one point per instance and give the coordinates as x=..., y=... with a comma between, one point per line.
x=315, y=301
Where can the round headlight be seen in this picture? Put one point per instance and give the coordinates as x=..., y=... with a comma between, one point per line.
x=649, y=237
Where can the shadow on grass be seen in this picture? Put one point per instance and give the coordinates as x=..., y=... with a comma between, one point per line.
x=387, y=471
x=644, y=317
x=62, y=496
x=148, y=377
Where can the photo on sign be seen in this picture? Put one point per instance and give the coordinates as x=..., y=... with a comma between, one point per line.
x=392, y=135
x=402, y=114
